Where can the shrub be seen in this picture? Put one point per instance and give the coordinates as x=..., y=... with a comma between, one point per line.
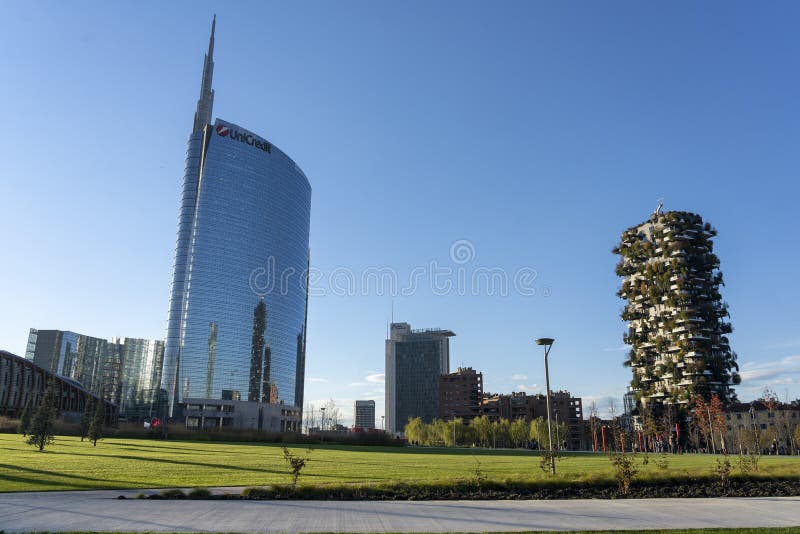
x=748, y=463
x=258, y=493
x=723, y=472
x=199, y=493
x=624, y=471
x=296, y=463
x=478, y=476
x=663, y=462
x=172, y=494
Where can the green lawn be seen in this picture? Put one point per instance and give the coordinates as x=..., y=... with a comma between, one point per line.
x=134, y=463
x=765, y=530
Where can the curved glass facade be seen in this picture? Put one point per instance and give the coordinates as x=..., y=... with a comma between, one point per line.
x=242, y=240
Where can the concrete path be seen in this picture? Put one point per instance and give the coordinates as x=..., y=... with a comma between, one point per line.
x=101, y=511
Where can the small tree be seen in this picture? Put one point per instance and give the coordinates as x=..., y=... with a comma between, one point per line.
x=702, y=421
x=41, y=431
x=796, y=434
x=624, y=471
x=96, y=426
x=296, y=463
x=519, y=432
x=25, y=419
x=716, y=411
x=483, y=429
x=86, y=418
x=414, y=430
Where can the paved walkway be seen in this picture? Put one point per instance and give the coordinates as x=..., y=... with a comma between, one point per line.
x=100, y=510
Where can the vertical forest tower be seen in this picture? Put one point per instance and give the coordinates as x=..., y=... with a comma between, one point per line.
x=677, y=321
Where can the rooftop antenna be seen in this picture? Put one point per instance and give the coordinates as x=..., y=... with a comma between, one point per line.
x=392, y=310
x=660, y=206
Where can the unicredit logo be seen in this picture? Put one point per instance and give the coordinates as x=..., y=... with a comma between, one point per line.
x=243, y=137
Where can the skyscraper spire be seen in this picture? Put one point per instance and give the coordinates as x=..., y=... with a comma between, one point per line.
x=204, y=106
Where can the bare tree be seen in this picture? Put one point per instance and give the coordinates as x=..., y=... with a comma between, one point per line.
x=668, y=423
x=594, y=424
x=333, y=416
x=311, y=418
x=784, y=423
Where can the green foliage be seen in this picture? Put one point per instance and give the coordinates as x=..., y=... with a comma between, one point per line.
x=25, y=419
x=146, y=463
x=199, y=493
x=624, y=471
x=41, y=431
x=519, y=431
x=723, y=472
x=482, y=427
x=545, y=462
x=296, y=462
x=86, y=418
x=96, y=427
x=663, y=462
x=748, y=463
x=172, y=494
x=478, y=476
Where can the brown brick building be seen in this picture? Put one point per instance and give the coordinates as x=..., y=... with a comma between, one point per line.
x=460, y=394
x=519, y=405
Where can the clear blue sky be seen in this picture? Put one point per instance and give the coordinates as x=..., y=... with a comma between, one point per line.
x=536, y=131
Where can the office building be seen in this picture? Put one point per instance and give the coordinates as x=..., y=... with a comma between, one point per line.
x=678, y=323
x=414, y=361
x=364, y=414
x=126, y=371
x=23, y=381
x=460, y=394
x=211, y=414
x=93, y=362
x=237, y=309
x=141, y=375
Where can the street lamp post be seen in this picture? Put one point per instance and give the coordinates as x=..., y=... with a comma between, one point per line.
x=547, y=342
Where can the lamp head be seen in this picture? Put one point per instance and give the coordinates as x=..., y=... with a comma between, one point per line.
x=545, y=341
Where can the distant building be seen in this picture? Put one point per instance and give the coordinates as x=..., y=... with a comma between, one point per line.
x=127, y=371
x=364, y=414
x=207, y=414
x=677, y=321
x=771, y=425
x=141, y=375
x=21, y=381
x=519, y=405
x=414, y=361
x=86, y=359
x=460, y=394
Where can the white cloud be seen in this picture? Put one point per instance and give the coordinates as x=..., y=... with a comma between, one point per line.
x=322, y=380
x=371, y=380
x=518, y=377
x=616, y=349
x=376, y=378
x=767, y=371
x=529, y=388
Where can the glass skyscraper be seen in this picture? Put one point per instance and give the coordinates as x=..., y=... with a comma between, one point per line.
x=125, y=371
x=237, y=314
